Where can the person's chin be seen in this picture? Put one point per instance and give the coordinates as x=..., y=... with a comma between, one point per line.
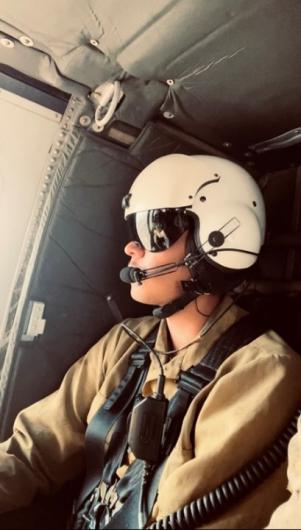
x=142, y=295
x=146, y=297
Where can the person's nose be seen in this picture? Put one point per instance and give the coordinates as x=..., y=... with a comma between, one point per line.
x=134, y=249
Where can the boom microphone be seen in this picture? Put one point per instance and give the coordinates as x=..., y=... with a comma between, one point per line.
x=133, y=274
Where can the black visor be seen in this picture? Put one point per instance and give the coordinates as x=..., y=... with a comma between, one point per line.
x=157, y=230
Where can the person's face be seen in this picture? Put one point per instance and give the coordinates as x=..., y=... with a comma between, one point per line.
x=161, y=289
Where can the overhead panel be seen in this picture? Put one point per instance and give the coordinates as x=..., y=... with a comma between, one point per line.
x=223, y=71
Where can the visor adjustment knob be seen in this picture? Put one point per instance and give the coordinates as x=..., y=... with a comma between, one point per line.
x=216, y=238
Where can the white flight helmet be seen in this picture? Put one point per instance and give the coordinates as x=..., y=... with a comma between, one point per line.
x=222, y=199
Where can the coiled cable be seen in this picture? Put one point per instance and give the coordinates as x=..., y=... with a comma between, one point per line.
x=238, y=486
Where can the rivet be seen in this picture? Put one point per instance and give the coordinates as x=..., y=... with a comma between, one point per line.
x=26, y=41
x=7, y=43
x=85, y=121
x=227, y=144
x=170, y=82
x=168, y=115
x=94, y=42
x=55, y=152
x=202, y=198
x=49, y=168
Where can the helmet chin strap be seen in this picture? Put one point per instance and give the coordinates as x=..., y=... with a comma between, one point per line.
x=176, y=305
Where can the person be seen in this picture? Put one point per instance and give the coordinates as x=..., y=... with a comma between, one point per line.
x=197, y=225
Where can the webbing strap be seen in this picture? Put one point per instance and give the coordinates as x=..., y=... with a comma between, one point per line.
x=193, y=380
x=189, y=384
x=238, y=335
x=101, y=427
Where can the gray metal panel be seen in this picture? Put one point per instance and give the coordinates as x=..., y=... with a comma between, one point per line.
x=64, y=32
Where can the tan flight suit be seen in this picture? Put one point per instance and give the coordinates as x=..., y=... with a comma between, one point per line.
x=254, y=395
x=288, y=515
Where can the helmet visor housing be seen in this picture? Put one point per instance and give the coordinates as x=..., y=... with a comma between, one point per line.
x=158, y=230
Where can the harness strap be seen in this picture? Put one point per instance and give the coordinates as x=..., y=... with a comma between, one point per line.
x=100, y=430
x=193, y=380
x=238, y=335
x=190, y=383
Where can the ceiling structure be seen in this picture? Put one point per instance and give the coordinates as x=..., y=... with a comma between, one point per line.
x=224, y=72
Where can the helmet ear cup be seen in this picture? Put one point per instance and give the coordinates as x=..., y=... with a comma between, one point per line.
x=213, y=279
x=210, y=277
x=234, y=227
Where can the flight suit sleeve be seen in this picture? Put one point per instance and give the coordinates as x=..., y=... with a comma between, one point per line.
x=46, y=448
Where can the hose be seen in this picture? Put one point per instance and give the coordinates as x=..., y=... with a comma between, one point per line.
x=238, y=486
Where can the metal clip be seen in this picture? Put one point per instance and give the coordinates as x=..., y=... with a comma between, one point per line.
x=105, y=99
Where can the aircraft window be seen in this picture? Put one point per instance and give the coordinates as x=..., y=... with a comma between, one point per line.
x=26, y=135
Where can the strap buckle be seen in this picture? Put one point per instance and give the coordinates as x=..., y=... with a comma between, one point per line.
x=91, y=514
x=140, y=358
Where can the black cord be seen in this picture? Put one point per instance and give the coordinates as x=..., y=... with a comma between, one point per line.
x=138, y=339
x=193, y=259
x=238, y=486
x=159, y=394
x=235, y=297
x=242, y=250
x=199, y=311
